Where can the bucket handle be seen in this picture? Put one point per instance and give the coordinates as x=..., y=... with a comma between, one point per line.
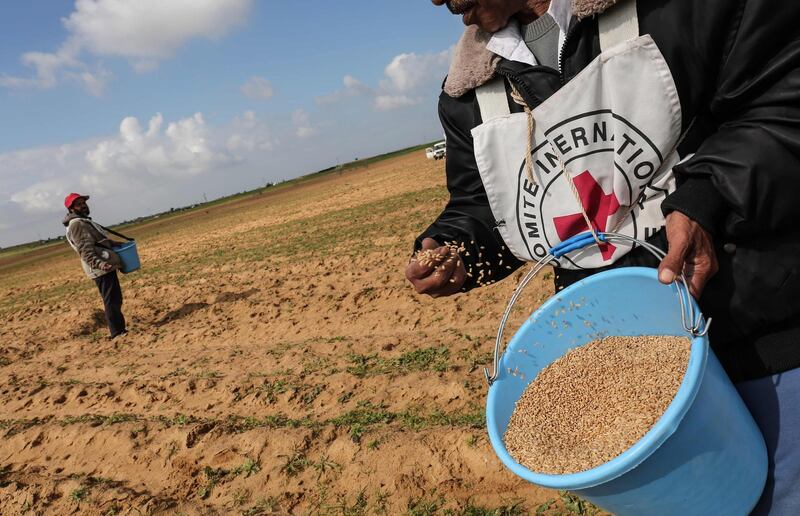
x=696, y=325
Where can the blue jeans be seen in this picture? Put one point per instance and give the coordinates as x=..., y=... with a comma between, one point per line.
x=774, y=402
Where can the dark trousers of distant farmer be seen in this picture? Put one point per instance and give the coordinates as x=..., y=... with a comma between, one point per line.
x=108, y=284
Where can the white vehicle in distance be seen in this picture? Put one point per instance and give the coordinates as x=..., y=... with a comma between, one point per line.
x=438, y=151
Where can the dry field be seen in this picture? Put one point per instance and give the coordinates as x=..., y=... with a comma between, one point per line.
x=277, y=363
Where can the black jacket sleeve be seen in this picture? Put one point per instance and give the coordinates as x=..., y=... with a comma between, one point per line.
x=467, y=218
x=746, y=175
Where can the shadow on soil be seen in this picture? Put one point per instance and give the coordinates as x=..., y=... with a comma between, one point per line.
x=230, y=297
x=184, y=311
x=96, y=322
x=190, y=308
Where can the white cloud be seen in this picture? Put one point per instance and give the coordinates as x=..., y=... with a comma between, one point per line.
x=408, y=79
x=258, y=88
x=46, y=67
x=352, y=83
x=305, y=132
x=392, y=102
x=136, y=158
x=409, y=72
x=352, y=88
x=42, y=197
x=248, y=133
x=183, y=149
x=36, y=180
x=145, y=32
x=408, y=76
x=9, y=81
x=302, y=123
x=94, y=82
x=151, y=30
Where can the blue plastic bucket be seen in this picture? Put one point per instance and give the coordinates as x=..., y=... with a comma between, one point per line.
x=129, y=256
x=704, y=456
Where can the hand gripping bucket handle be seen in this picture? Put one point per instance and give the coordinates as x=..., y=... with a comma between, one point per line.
x=693, y=323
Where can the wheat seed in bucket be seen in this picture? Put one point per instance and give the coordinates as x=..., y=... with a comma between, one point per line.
x=595, y=402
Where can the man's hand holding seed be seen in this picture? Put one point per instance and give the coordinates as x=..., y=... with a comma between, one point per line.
x=436, y=270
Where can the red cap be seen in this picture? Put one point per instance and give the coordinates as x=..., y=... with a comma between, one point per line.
x=71, y=198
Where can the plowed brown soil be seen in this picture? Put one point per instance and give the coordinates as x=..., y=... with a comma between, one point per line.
x=278, y=362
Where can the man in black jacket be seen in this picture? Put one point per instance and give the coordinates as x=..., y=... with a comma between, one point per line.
x=729, y=209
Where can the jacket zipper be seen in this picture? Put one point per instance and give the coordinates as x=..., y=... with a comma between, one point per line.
x=570, y=32
x=520, y=83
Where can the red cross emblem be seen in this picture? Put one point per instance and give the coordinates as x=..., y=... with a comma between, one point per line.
x=599, y=206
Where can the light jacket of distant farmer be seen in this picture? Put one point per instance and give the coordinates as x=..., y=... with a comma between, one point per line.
x=91, y=243
x=736, y=68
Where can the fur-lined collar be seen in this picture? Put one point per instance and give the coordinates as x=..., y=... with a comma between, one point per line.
x=585, y=8
x=473, y=64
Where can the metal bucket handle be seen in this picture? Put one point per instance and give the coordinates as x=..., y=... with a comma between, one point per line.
x=696, y=325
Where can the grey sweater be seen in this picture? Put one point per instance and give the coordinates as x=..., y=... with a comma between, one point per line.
x=541, y=37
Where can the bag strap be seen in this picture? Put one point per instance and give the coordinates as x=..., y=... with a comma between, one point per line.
x=618, y=24
x=129, y=239
x=98, y=227
x=492, y=99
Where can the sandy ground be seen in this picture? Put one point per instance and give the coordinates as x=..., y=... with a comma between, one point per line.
x=277, y=363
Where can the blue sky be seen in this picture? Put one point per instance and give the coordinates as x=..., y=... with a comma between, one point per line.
x=152, y=104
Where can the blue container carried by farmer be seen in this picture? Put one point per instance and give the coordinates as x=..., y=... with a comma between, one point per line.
x=129, y=257
x=705, y=455
x=127, y=252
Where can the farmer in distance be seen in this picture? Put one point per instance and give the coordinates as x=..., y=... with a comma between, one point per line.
x=99, y=261
x=686, y=134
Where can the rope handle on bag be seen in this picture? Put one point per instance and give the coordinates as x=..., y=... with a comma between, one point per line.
x=696, y=325
x=517, y=97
